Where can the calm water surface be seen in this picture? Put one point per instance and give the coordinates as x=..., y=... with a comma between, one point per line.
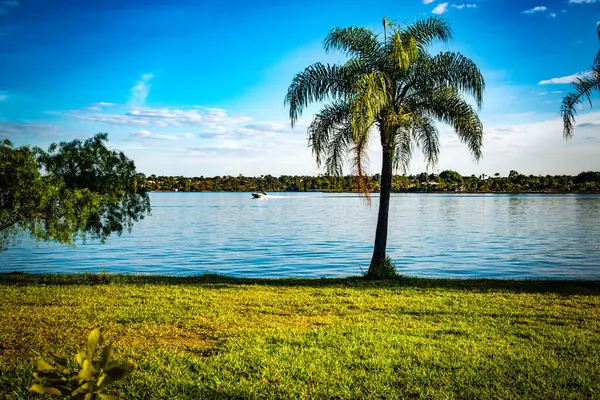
x=314, y=234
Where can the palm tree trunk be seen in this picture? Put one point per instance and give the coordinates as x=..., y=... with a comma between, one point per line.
x=376, y=270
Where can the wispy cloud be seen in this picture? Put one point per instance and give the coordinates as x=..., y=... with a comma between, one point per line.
x=267, y=126
x=99, y=106
x=10, y=130
x=206, y=122
x=147, y=135
x=538, y=9
x=3, y=97
x=553, y=15
x=589, y=125
x=461, y=6
x=7, y=4
x=582, y=1
x=159, y=117
x=232, y=146
x=428, y=1
x=564, y=79
x=139, y=92
x=440, y=8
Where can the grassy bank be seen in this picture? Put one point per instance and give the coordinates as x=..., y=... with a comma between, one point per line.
x=214, y=337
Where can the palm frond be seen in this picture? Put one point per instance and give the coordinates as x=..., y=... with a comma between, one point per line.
x=316, y=83
x=449, y=106
x=403, y=149
x=427, y=138
x=354, y=42
x=339, y=145
x=459, y=73
x=403, y=49
x=596, y=64
x=326, y=122
x=361, y=163
x=430, y=30
x=372, y=96
x=581, y=88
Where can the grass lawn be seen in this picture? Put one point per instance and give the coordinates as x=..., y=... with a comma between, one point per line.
x=215, y=337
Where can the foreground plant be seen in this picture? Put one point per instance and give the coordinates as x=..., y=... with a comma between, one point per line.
x=89, y=381
x=391, y=85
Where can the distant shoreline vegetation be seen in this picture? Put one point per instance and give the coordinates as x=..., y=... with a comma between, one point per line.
x=446, y=181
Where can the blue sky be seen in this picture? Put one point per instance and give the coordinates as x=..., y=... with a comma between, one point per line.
x=196, y=88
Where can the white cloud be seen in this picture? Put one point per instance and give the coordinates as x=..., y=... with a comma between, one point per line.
x=99, y=106
x=535, y=10
x=564, y=79
x=268, y=126
x=235, y=146
x=530, y=148
x=139, y=92
x=582, y=1
x=428, y=1
x=553, y=15
x=145, y=134
x=461, y=6
x=158, y=117
x=440, y=8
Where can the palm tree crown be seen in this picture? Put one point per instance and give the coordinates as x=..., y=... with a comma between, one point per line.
x=393, y=86
x=582, y=89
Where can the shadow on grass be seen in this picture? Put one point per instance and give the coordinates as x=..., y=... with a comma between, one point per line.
x=564, y=287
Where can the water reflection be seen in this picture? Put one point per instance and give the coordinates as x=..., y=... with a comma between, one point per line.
x=313, y=234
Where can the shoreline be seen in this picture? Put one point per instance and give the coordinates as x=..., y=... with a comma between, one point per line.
x=407, y=192
x=26, y=278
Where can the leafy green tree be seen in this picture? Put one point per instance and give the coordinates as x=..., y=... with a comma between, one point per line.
x=393, y=86
x=75, y=189
x=581, y=89
x=451, y=178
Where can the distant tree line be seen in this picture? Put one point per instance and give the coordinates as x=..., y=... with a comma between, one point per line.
x=446, y=181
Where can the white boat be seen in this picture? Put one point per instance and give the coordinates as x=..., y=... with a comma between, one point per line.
x=258, y=195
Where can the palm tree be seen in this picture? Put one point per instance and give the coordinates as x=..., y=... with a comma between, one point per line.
x=582, y=88
x=393, y=86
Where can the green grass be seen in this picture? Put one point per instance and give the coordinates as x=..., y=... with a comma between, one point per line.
x=215, y=337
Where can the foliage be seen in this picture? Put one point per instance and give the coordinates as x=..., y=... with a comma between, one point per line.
x=387, y=270
x=447, y=180
x=581, y=88
x=89, y=381
x=209, y=337
x=393, y=86
x=75, y=189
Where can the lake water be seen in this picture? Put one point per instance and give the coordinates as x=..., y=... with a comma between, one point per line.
x=315, y=234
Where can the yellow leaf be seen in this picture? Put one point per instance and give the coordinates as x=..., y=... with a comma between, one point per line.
x=43, y=365
x=45, y=390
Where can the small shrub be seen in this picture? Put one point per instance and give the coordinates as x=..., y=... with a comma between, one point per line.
x=102, y=277
x=386, y=271
x=87, y=381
